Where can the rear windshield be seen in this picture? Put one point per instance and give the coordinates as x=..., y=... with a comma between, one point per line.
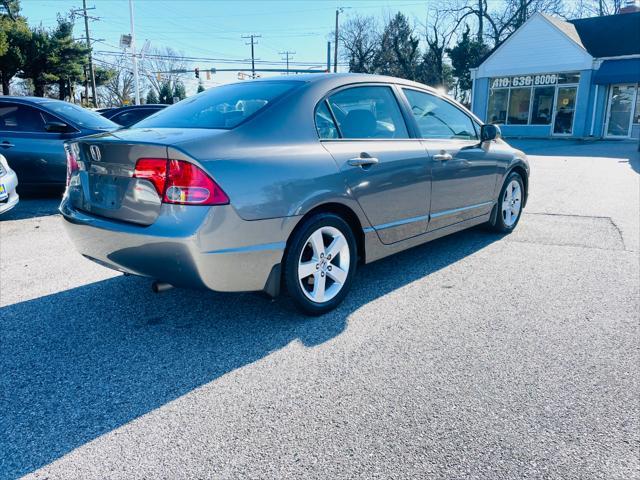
x=80, y=116
x=220, y=107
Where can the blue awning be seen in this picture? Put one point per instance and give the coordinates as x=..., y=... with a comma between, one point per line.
x=618, y=71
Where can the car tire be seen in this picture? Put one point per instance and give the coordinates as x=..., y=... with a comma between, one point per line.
x=320, y=263
x=509, y=206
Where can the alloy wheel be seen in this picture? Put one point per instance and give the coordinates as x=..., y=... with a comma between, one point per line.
x=511, y=203
x=323, y=265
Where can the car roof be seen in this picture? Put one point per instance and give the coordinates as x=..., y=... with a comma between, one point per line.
x=345, y=79
x=27, y=99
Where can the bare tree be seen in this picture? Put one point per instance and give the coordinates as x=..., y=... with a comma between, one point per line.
x=160, y=65
x=440, y=29
x=360, y=38
x=117, y=90
x=498, y=23
x=590, y=8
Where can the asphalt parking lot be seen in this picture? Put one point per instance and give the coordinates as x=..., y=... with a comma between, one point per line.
x=475, y=356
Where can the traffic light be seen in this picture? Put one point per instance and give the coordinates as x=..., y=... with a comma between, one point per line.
x=197, y=72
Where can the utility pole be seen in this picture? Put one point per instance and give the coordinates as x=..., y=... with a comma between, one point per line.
x=134, y=59
x=335, y=43
x=480, y=21
x=91, y=71
x=287, y=54
x=253, y=58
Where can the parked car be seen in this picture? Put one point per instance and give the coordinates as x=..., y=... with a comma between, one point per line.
x=32, y=135
x=127, y=116
x=8, y=183
x=288, y=181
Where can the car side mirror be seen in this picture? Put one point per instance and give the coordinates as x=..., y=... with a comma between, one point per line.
x=489, y=132
x=56, y=127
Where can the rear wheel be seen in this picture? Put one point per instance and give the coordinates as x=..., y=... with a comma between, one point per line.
x=509, y=207
x=320, y=263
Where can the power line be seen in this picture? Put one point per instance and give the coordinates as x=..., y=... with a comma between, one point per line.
x=192, y=59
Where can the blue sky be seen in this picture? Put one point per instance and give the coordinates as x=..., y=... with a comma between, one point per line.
x=212, y=28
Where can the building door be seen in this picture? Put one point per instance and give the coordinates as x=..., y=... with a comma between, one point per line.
x=622, y=98
x=565, y=111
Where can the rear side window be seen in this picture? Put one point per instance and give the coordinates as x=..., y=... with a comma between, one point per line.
x=221, y=107
x=325, y=125
x=368, y=112
x=438, y=118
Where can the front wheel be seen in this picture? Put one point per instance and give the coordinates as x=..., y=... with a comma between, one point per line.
x=320, y=263
x=509, y=207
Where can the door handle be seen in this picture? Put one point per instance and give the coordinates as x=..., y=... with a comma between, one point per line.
x=6, y=144
x=442, y=156
x=362, y=161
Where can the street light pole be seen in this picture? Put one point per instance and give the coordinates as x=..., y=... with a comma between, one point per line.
x=134, y=58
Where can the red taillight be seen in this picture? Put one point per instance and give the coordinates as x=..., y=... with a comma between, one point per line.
x=154, y=170
x=72, y=163
x=180, y=182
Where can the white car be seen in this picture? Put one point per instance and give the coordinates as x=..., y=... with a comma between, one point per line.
x=8, y=183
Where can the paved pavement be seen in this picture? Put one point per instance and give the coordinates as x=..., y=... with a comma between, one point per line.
x=476, y=356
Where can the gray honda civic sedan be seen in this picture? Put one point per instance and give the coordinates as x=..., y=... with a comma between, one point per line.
x=288, y=182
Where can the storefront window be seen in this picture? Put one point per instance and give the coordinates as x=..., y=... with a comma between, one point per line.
x=620, y=110
x=519, y=106
x=565, y=108
x=542, y=105
x=497, y=112
x=569, y=78
x=535, y=99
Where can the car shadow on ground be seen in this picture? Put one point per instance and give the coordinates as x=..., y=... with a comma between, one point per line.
x=85, y=361
x=31, y=208
x=627, y=151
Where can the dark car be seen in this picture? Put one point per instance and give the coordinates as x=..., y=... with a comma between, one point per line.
x=127, y=116
x=32, y=135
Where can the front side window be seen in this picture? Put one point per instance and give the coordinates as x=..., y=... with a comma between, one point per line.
x=21, y=118
x=222, y=107
x=519, y=106
x=368, y=112
x=438, y=118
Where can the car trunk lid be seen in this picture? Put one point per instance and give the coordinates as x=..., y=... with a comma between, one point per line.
x=104, y=184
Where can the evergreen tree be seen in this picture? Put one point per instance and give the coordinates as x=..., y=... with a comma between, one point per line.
x=465, y=55
x=166, y=95
x=14, y=37
x=179, y=92
x=201, y=87
x=152, y=98
x=68, y=58
x=54, y=58
x=399, y=54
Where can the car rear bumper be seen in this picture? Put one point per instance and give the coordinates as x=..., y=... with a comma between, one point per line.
x=187, y=246
x=10, y=182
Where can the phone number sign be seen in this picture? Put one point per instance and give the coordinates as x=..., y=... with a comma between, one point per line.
x=525, y=80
